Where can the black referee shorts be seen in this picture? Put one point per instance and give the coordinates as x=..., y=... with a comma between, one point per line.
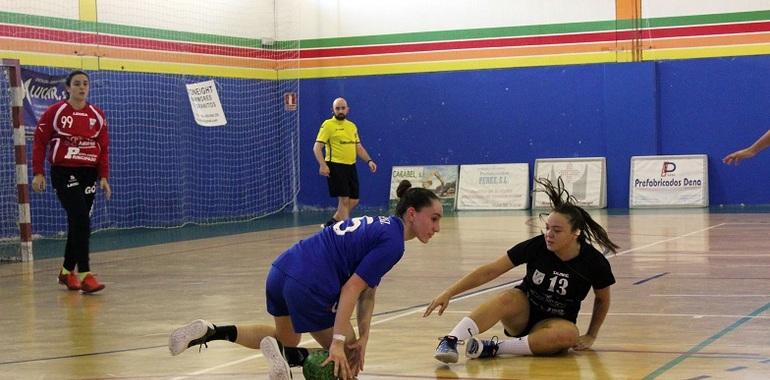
x=342, y=180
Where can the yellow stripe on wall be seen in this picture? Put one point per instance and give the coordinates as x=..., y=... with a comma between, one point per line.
x=87, y=10
x=53, y=60
x=708, y=52
x=186, y=69
x=95, y=63
x=424, y=67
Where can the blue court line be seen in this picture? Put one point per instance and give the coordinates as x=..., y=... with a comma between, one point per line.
x=650, y=278
x=706, y=342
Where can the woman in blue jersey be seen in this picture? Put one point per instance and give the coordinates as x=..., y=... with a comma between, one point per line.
x=316, y=284
x=540, y=314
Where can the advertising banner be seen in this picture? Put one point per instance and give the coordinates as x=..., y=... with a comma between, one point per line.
x=669, y=181
x=493, y=187
x=584, y=178
x=441, y=179
x=40, y=92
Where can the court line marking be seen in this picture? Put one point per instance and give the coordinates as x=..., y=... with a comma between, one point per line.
x=673, y=363
x=419, y=308
x=683, y=315
x=645, y=315
x=650, y=278
x=630, y=250
x=709, y=295
x=691, y=254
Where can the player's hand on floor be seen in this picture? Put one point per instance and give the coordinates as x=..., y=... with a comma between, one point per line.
x=442, y=301
x=584, y=342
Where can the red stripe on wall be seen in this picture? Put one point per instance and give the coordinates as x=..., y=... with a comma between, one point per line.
x=130, y=42
x=181, y=47
x=475, y=44
x=46, y=34
x=706, y=30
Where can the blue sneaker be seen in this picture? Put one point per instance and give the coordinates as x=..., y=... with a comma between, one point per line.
x=477, y=348
x=446, y=351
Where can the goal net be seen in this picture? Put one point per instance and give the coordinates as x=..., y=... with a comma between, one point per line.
x=166, y=170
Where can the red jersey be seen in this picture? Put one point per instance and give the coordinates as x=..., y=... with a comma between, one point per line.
x=74, y=138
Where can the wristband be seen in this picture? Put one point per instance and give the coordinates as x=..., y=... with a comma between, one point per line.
x=369, y=161
x=339, y=337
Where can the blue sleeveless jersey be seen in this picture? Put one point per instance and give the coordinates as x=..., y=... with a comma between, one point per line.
x=368, y=246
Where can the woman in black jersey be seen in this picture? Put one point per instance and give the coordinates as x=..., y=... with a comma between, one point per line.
x=541, y=312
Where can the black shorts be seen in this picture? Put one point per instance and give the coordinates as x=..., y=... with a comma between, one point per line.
x=342, y=180
x=535, y=316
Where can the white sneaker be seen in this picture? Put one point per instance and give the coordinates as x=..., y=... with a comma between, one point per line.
x=279, y=368
x=191, y=334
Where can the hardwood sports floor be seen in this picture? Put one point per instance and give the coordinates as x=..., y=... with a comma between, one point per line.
x=691, y=302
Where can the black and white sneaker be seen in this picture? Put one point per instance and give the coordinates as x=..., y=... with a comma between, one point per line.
x=477, y=348
x=191, y=334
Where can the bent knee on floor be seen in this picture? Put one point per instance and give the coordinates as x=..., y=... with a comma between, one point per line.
x=553, y=336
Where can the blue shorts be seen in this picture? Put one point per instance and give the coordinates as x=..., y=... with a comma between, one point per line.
x=309, y=312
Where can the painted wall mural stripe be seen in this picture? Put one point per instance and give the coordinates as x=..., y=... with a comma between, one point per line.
x=458, y=65
x=474, y=44
x=707, y=30
x=465, y=54
x=403, y=38
x=706, y=52
x=47, y=41
x=48, y=47
x=186, y=69
x=121, y=41
x=525, y=30
x=160, y=45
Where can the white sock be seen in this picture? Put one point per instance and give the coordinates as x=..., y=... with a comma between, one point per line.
x=465, y=329
x=515, y=346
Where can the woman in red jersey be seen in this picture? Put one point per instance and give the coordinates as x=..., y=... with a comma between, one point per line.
x=74, y=134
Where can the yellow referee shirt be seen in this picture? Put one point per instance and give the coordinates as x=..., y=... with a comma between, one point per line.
x=340, y=138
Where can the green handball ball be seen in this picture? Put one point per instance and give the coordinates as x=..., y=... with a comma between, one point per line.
x=312, y=367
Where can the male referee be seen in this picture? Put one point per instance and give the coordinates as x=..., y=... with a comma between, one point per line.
x=339, y=137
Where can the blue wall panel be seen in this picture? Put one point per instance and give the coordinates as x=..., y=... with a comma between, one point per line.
x=717, y=106
x=710, y=106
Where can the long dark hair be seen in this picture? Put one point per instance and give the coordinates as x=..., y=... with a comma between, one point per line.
x=565, y=204
x=412, y=197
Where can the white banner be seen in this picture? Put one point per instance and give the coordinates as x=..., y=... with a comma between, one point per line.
x=205, y=104
x=669, y=181
x=441, y=179
x=493, y=187
x=584, y=178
